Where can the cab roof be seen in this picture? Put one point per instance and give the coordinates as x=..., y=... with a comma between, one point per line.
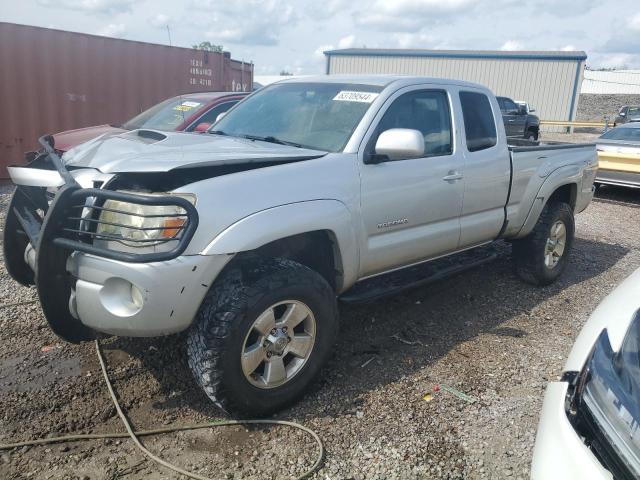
x=380, y=80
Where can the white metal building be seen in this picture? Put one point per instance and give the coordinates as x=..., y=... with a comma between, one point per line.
x=617, y=82
x=548, y=81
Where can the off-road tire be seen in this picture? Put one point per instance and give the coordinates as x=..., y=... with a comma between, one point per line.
x=529, y=252
x=216, y=339
x=531, y=135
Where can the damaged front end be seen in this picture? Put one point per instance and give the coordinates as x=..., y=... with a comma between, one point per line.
x=51, y=216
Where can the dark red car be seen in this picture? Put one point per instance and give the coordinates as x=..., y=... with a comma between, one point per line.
x=192, y=112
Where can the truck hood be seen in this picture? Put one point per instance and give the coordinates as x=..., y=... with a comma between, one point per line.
x=70, y=138
x=155, y=151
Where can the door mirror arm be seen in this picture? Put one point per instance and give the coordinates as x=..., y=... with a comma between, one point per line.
x=372, y=158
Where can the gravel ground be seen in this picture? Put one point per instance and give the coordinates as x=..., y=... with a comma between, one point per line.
x=594, y=107
x=484, y=333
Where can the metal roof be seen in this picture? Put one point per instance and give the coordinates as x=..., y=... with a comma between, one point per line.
x=493, y=54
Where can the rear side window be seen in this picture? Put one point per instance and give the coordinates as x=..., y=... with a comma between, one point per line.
x=479, y=125
x=426, y=111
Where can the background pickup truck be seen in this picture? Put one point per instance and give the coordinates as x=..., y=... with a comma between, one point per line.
x=518, y=122
x=307, y=191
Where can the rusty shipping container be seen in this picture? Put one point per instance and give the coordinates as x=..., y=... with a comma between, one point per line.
x=53, y=80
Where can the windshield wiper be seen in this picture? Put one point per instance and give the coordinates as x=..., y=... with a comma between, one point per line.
x=272, y=139
x=217, y=132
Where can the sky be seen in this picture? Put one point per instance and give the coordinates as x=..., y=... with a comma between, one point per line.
x=292, y=35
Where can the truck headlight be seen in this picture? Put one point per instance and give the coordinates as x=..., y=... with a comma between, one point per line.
x=138, y=225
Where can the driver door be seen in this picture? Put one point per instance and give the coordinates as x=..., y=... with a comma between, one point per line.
x=514, y=120
x=411, y=207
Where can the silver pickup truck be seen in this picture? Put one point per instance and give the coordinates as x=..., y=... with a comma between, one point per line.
x=307, y=191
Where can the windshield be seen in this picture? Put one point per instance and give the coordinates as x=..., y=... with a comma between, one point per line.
x=321, y=116
x=634, y=110
x=612, y=395
x=622, y=133
x=167, y=115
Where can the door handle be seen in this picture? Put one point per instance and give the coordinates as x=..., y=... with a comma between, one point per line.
x=512, y=120
x=452, y=176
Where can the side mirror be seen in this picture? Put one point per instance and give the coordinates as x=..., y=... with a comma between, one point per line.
x=221, y=116
x=622, y=114
x=400, y=143
x=202, y=127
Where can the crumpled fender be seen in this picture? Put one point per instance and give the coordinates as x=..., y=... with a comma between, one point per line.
x=275, y=223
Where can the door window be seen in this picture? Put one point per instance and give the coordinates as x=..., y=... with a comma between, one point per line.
x=479, y=124
x=426, y=111
x=510, y=107
x=212, y=115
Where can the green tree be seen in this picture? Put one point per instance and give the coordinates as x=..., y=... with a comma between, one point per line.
x=284, y=73
x=209, y=47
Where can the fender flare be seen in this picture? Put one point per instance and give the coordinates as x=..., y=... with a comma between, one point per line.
x=566, y=175
x=265, y=226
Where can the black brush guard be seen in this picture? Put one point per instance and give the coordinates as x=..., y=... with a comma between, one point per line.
x=70, y=223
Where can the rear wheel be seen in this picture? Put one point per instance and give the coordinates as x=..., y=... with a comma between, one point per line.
x=531, y=135
x=541, y=257
x=262, y=334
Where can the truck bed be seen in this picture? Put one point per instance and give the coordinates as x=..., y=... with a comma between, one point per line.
x=532, y=165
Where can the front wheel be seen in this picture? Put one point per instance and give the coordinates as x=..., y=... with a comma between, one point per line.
x=541, y=257
x=262, y=334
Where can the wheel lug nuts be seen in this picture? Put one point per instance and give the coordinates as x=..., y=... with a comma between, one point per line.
x=273, y=331
x=284, y=329
x=269, y=354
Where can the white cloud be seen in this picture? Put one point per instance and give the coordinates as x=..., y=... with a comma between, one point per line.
x=568, y=48
x=92, y=6
x=159, y=20
x=318, y=54
x=616, y=60
x=408, y=15
x=328, y=8
x=116, y=30
x=415, y=40
x=274, y=33
x=634, y=22
x=251, y=22
x=511, y=45
x=624, y=42
x=347, y=42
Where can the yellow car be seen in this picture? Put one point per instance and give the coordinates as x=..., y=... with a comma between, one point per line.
x=619, y=156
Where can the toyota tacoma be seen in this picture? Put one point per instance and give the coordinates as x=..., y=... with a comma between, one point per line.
x=308, y=191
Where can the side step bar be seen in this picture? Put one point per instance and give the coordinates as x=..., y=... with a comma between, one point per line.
x=418, y=275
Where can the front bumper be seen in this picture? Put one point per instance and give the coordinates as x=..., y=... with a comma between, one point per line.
x=81, y=280
x=559, y=452
x=166, y=299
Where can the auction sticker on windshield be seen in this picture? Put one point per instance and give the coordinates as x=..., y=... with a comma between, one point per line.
x=347, y=96
x=186, y=106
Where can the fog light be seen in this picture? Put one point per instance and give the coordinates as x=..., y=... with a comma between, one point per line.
x=120, y=297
